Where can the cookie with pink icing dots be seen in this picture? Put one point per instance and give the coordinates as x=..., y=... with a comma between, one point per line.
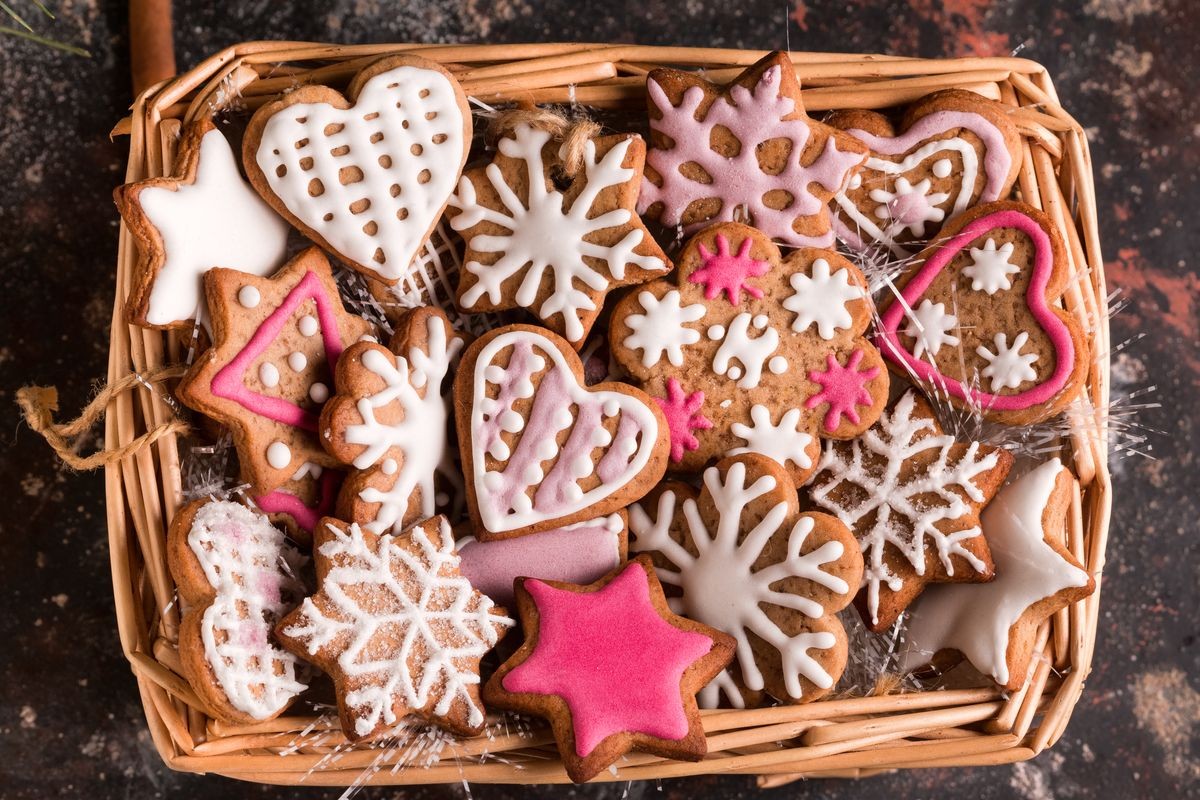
x=539, y=448
x=978, y=317
x=745, y=152
x=749, y=352
x=276, y=342
x=954, y=150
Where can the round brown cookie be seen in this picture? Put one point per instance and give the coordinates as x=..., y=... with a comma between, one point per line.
x=745, y=151
x=275, y=343
x=954, y=149
x=237, y=576
x=747, y=351
x=611, y=668
x=911, y=494
x=365, y=175
x=389, y=419
x=977, y=317
x=539, y=448
x=550, y=242
x=746, y=561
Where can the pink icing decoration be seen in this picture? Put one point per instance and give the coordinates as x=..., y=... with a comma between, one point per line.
x=228, y=383
x=612, y=658
x=729, y=273
x=683, y=416
x=909, y=208
x=306, y=517
x=753, y=117
x=579, y=554
x=1035, y=298
x=843, y=388
x=996, y=158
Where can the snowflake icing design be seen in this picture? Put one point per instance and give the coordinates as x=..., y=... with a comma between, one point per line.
x=396, y=618
x=843, y=388
x=662, y=329
x=727, y=272
x=721, y=587
x=682, y=411
x=909, y=206
x=1008, y=368
x=821, y=300
x=883, y=508
x=990, y=270
x=546, y=241
x=929, y=325
x=784, y=442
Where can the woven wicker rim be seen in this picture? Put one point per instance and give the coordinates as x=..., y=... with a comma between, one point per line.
x=853, y=737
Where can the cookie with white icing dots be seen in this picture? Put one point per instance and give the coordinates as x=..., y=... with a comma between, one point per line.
x=539, y=449
x=740, y=556
x=745, y=152
x=750, y=352
x=237, y=577
x=912, y=495
x=954, y=150
x=276, y=341
x=994, y=625
x=389, y=420
x=397, y=627
x=366, y=174
x=978, y=316
x=207, y=216
x=550, y=242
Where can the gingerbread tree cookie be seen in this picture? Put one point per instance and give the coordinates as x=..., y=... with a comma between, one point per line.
x=746, y=152
x=747, y=352
x=746, y=561
x=554, y=251
x=912, y=496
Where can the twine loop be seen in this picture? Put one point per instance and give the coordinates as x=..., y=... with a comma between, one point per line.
x=573, y=132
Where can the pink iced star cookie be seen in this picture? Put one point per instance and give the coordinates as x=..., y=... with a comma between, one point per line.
x=611, y=668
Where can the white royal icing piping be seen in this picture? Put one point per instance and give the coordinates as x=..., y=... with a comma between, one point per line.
x=783, y=443
x=662, y=329
x=821, y=299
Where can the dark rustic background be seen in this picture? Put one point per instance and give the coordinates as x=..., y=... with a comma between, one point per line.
x=70, y=721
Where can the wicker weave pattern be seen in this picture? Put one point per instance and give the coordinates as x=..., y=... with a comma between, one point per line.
x=847, y=737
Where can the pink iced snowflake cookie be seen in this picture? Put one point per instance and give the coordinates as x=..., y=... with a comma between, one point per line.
x=957, y=150
x=747, y=352
x=744, y=152
x=977, y=316
x=237, y=576
x=539, y=448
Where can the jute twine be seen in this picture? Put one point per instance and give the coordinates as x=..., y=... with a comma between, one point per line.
x=574, y=132
x=39, y=403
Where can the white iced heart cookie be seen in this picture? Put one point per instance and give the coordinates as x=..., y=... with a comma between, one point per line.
x=367, y=174
x=541, y=450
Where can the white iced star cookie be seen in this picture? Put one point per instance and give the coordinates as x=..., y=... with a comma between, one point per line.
x=208, y=216
x=990, y=270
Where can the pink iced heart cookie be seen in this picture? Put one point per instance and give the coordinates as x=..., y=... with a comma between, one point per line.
x=957, y=150
x=976, y=316
x=539, y=449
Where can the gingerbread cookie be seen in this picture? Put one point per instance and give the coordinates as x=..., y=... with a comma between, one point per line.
x=611, y=668
x=275, y=343
x=389, y=420
x=554, y=251
x=397, y=627
x=956, y=150
x=747, y=352
x=990, y=288
x=995, y=625
x=366, y=175
x=745, y=152
x=579, y=553
x=912, y=496
x=184, y=226
x=237, y=576
x=747, y=562
x=539, y=449
x=300, y=502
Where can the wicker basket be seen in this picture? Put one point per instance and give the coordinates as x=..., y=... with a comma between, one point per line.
x=851, y=737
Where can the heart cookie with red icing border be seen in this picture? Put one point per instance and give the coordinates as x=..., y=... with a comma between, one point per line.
x=539, y=449
x=976, y=316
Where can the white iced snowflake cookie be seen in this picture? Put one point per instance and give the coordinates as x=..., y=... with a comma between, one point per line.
x=366, y=175
x=237, y=576
x=397, y=627
x=741, y=558
x=549, y=242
